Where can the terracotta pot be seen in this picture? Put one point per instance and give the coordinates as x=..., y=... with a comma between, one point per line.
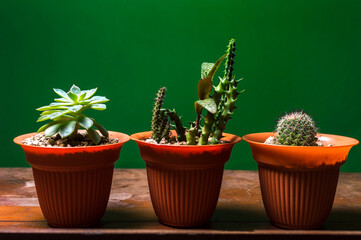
x=73, y=184
x=298, y=184
x=184, y=181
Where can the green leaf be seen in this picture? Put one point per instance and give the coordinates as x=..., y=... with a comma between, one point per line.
x=101, y=128
x=98, y=99
x=58, y=114
x=90, y=93
x=85, y=122
x=67, y=128
x=94, y=135
x=62, y=100
x=214, y=69
x=49, y=112
x=82, y=96
x=51, y=130
x=73, y=96
x=46, y=108
x=61, y=93
x=43, y=118
x=61, y=104
x=205, y=85
x=42, y=128
x=99, y=106
x=75, y=89
x=75, y=108
x=206, y=68
x=208, y=104
x=65, y=117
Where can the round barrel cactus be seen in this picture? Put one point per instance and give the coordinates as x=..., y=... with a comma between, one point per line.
x=296, y=129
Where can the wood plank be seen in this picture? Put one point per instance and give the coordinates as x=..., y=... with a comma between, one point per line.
x=239, y=214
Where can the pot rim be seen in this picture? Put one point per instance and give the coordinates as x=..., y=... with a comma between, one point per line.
x=122, y=137
x=355, y=141
x=139, y=138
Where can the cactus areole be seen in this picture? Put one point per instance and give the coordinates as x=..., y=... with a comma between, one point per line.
x=217, y=102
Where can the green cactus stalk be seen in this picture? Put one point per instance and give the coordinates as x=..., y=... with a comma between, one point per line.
x=225, y=95
x=191, y=135
x=178, y=125
x=296, y=129
x=160, y=123
x=206, y=129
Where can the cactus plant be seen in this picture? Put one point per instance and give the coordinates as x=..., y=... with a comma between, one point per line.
x=67, y=114
x=160, y=123
x=296, y=129
x=219, y=106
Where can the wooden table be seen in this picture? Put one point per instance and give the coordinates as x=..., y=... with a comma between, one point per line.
x=239, y=214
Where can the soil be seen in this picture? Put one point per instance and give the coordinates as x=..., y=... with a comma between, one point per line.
x=172, y=141
x=81, y=140
x=272, y=140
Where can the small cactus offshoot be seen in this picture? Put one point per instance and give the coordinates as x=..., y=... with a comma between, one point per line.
x=296, y=129
x=219, y=106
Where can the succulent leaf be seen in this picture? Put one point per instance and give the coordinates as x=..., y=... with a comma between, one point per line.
x=67, y=113
x=94, y=135
x=75, y=89
x=99, y=107
x=73, y=97
x=85, y=122
x=103, y=131
x=206, y=68
x=67, y=128
x=61, y=93
x=90, y=93
x=51, y=130
x=209, y=104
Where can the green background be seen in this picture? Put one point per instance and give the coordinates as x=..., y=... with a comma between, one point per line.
x=291, y=54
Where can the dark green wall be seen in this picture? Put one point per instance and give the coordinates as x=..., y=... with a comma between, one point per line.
x=292, y=54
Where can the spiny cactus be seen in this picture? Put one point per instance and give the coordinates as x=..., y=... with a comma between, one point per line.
x=219, y=106
x=160, y=123
x=296, y=129
x=225, y=95
x=178, y=125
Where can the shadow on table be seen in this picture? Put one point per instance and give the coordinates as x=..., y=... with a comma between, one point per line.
x=344, y=219
x=227, y=218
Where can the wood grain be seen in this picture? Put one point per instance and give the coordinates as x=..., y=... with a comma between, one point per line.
x=239, y=214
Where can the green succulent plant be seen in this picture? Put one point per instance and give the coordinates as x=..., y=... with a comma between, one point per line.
x=66, y=114
x=296, y=129
x=219, y=105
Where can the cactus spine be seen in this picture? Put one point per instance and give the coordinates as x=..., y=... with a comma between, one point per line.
x=225, y=95
x=296, y=129
x=160, y=122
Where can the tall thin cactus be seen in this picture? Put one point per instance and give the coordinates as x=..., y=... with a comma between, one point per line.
x=160, y=123
x=226, y=94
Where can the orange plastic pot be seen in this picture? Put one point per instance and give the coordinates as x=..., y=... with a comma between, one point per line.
x=73, y=184
x=298, y=184
x=184, y=181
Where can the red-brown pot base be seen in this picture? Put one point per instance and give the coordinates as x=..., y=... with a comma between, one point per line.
x=298, y=198
x=184, y=197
